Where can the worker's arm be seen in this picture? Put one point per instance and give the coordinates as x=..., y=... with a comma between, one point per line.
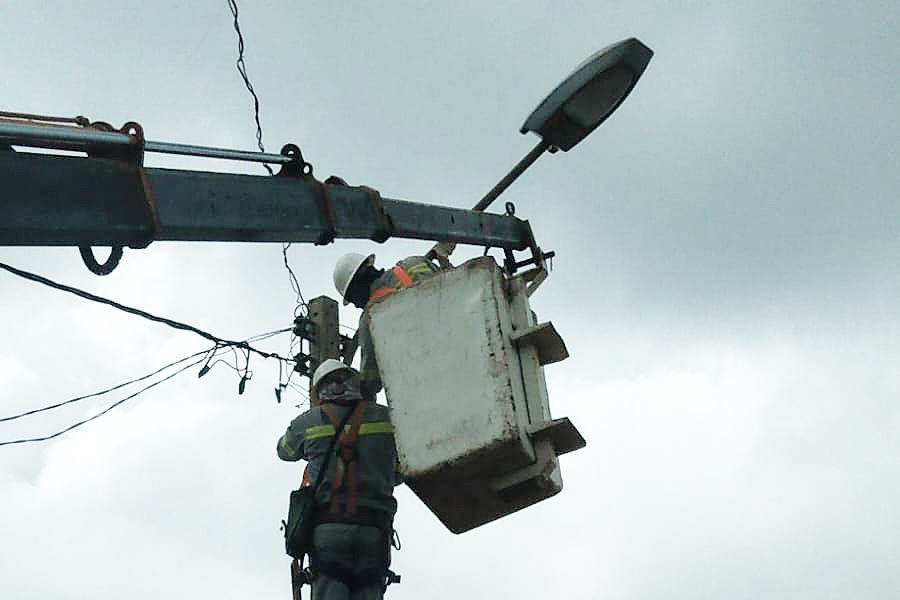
x=370, y=378
x=441, y=253
x=290, y=446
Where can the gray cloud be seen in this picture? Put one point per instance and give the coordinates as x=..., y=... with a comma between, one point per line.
x=726, y=282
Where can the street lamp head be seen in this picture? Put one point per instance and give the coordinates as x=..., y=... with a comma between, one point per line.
x=589, y=95
x=579, y=104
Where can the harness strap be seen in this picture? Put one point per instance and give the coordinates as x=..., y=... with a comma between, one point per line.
x=402, y=276
x=403, y=281
x=346, y=470
x=305, y=480
x=350, y=442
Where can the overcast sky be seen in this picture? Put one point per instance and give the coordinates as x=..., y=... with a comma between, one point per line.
x=726, y=280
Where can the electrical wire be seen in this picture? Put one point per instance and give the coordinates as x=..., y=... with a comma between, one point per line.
x=268, y=334
x=208, y=355
x=103, y=412
x=301, y=306
x=295, y=283
x=106, y=391
x=242, y=69
x=140, y=313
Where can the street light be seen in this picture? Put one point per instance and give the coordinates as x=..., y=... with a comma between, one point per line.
x=586, y=98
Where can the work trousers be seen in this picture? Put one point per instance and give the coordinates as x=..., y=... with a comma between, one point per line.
x=343, y=551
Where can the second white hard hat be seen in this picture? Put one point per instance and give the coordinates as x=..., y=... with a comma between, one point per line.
x=329, y=366
x=346, y=269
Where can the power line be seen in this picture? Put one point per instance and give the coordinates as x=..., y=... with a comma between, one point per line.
x=295, y=283
x=140, y=313
x=242, y=69
x=103, y=412
x=106, y=391
x=301, y=305
x=208, y=355
x=268, y=334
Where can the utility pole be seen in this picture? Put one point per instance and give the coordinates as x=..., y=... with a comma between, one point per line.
x=325, y=342
x=320, y=328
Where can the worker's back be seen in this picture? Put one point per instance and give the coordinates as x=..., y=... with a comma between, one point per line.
x=406, y=272
x=375, y=451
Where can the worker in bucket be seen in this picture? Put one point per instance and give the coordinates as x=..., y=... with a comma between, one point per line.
x=359, y=282
x=355, y=506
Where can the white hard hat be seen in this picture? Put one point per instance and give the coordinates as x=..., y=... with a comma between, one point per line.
x=346, y=269
x=329, y=366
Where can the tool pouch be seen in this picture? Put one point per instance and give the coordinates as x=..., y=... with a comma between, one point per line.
x=302, y=510
x=301, y=519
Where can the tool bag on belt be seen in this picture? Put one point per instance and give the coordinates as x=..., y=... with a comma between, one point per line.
x=301, y=519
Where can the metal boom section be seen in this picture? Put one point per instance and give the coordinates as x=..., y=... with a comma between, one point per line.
x=108, y=198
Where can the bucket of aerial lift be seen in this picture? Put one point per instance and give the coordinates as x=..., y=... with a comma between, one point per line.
x=461, y=358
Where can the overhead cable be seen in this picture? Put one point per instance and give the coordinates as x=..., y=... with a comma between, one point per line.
x=106, y=391
x=242, y=69
x=301, y=304
x=295, y=283
x=103, y=412
x=208, y=356
x=140, y=313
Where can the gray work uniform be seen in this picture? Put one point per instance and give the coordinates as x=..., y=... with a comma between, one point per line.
x=351, y=552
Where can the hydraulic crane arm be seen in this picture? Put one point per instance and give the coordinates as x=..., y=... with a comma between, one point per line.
x=52, y=200
x=106, y=197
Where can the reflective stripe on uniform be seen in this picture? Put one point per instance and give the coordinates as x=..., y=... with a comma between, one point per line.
x=420, y=269
x=319, y=431
x=288, y=451
x=376, y=427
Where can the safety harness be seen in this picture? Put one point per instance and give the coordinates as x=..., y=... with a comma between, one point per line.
x=346, y=470
x=403, y=281
x=346, y=479
x=299, y=575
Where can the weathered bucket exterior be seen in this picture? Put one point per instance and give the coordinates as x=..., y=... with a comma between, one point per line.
x=461, y=360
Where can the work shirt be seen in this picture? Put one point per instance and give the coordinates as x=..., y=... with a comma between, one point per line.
x=309, y=435
x=416, y=269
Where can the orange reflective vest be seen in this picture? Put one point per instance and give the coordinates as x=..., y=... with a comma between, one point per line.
x=403, y=281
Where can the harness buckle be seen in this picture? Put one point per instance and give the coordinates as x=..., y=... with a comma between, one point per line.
x=348, y=453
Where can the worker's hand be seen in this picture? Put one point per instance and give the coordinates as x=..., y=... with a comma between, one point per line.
x=441, y=252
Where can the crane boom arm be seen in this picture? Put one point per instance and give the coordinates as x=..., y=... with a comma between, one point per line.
x=55, y=200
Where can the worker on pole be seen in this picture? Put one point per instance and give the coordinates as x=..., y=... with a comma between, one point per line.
x=355, y=506
x=359, y=282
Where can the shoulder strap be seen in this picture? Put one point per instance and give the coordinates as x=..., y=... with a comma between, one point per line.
x=346, y=471
x=401, y=275
x=334, y=439
x=352, y=437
